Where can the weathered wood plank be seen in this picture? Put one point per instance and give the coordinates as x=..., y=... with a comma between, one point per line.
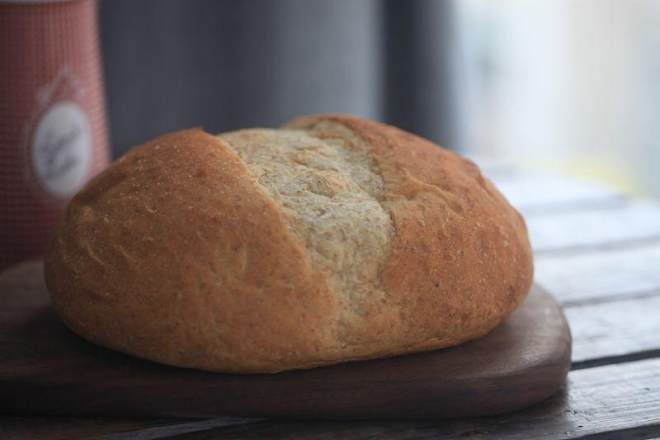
x=535, y=193
x=172, y=430
x=617, y=328
x=20, y=428
x=580, y=229
x=600, y=274
x=55, y=428
x=615, y=399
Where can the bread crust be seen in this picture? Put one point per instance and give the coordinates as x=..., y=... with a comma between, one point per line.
x=177, y=254
x=461, y=259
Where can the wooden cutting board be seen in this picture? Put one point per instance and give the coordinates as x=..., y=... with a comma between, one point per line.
x=46, y=369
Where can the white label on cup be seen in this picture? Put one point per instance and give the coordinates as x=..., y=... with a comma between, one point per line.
x=62, y=148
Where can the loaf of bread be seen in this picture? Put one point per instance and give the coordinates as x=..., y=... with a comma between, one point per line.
x=262, y=250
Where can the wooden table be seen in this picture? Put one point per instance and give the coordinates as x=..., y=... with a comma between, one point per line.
x=597, y=250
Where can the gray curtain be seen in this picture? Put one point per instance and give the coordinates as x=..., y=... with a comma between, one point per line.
x=222, y=65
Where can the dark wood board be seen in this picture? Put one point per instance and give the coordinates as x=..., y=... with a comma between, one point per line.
x=46, y=369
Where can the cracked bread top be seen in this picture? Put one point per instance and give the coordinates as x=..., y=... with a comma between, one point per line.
x=330, y=191
x=264, y=250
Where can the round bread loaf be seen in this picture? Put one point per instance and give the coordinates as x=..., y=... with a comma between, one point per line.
x=261, y=250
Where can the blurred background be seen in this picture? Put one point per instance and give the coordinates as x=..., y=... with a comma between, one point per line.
x=560, y=84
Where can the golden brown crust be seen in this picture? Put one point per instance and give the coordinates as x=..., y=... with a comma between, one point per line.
x=461, y=260
x=177, y=254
